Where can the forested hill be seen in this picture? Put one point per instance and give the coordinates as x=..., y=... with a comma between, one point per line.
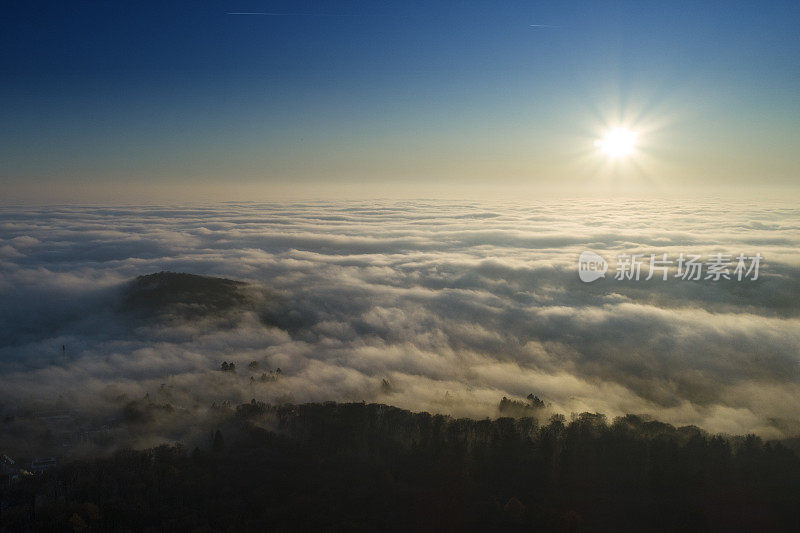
x=177, y=293
x=369, y=467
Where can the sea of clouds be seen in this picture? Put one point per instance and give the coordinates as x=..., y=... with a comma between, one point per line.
x=454, y=304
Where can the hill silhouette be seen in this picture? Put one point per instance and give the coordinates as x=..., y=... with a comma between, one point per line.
x=182, y=294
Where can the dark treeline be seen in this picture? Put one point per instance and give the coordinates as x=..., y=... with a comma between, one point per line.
x=374, y=467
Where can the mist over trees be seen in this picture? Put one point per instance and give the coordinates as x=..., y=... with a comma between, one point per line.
x=164, y=294
x=358, y=466
x=455, y=305
x=132, y=381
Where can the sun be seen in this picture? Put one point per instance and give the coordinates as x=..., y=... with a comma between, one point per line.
x=617, y=143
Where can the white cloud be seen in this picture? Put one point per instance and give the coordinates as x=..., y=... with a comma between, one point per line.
x=456, y=305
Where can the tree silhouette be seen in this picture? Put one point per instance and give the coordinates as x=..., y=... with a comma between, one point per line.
x=218, y=444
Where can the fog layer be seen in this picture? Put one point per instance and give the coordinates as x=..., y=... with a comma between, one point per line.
x=425, y=305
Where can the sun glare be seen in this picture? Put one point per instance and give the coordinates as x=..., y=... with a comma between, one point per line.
x=617, y=143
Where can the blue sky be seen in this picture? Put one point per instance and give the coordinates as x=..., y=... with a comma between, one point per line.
x=143, y=95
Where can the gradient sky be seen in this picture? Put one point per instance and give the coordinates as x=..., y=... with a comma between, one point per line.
x=393, y=96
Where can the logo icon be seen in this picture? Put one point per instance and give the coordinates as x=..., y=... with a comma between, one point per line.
x=591, y=266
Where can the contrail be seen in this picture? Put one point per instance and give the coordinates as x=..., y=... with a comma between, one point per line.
x=543, y=26
x=268, y=14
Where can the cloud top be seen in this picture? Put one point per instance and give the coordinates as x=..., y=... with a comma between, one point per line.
x=454, y=304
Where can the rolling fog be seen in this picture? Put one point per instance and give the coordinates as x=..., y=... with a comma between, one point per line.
x=454, y=305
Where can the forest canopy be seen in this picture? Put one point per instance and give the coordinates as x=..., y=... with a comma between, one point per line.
x=358, y=466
